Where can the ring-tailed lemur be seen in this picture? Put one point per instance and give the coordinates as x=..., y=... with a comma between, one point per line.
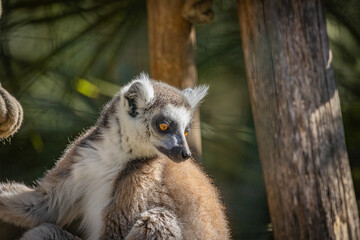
x=126, y=177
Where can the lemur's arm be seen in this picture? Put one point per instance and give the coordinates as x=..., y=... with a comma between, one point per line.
x=28, y=207
x=156, y=223
x=55, y=200
x=22, y=205
x=48, y=231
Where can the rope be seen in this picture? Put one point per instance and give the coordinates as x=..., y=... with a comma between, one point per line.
x=11, y=114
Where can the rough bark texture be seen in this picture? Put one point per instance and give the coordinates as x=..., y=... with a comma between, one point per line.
x=298, y=120
x=172, y=41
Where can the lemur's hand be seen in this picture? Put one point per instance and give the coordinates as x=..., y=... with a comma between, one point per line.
x=11, y=114
x=156, y=223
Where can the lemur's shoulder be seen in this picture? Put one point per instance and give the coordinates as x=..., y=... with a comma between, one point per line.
x=183, y=188
x=198, y=200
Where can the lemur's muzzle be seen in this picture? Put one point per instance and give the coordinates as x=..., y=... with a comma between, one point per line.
x=177, y=153
x=180, y=153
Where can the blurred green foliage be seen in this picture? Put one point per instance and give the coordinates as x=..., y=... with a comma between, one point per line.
x=64, y=59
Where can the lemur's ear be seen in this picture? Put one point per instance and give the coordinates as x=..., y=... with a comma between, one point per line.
x=139, y=93
x=195, y=95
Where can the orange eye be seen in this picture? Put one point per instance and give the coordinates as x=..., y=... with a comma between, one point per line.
x=186, y=133
x=163, y=126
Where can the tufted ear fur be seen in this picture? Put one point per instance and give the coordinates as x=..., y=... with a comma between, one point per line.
x=195, y=95
x=139, y=94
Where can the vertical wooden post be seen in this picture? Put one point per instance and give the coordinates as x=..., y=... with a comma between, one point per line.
x=172, y=42
x=298, y=120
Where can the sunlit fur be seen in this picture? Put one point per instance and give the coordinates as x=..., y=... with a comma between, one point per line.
x=117, y=183
x=194, y=96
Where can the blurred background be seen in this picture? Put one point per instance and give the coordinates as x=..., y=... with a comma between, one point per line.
x=64, y=59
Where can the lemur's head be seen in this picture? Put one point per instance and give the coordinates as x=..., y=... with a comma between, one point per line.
x=156, y=117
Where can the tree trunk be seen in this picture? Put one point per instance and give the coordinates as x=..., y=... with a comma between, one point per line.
x=298, y=120
x=172, y=41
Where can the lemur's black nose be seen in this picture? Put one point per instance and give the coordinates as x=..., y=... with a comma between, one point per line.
x=185, y=154
x=177, y=154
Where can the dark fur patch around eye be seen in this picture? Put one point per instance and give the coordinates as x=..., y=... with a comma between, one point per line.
x=157, y=120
